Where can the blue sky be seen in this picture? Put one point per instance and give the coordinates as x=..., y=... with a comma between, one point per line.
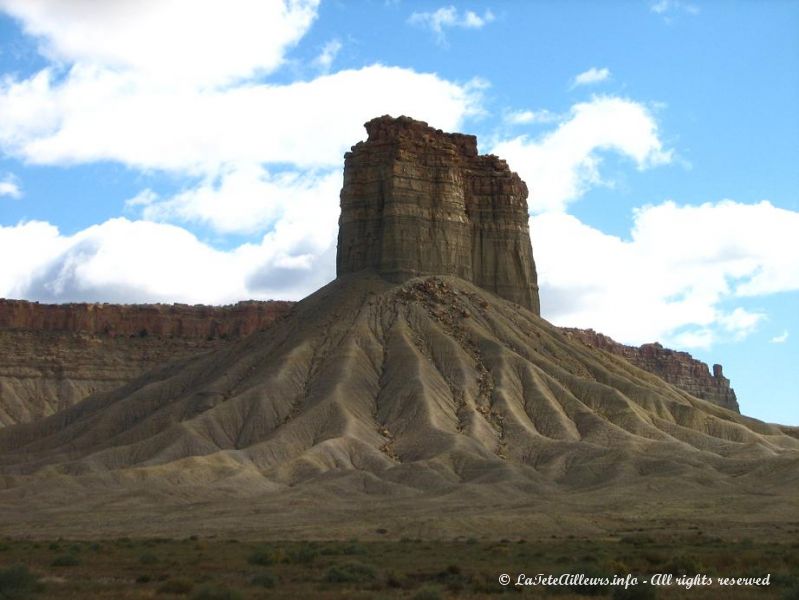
x=178, y=151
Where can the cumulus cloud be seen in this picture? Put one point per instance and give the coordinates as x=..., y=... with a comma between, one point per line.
x=95, y=114
x=591, y=76
x=9, y=186
x=140, y=261
x=177, y=41
x=448, y=17
x=561, y=165
x=205, y=113
x=659, y=285
x=248, y=199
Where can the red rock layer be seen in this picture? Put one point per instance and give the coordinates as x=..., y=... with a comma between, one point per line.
x=678, y=368
x=54, y=355
x=164, y=320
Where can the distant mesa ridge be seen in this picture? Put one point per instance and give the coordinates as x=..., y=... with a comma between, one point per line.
x=165, y=320
x=417, y=201
x=678, y=368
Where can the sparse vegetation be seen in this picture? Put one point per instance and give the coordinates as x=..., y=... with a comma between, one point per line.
x=262, y=557
x=352, y=572
x=216, y=593
x=428, y=593
x=65, y=560
x=339, y=570
x=176, y=586
x=264, y=580
x=148, y=558
x=17, y=582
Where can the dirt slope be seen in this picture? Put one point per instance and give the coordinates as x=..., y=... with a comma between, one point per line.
x=432, y=397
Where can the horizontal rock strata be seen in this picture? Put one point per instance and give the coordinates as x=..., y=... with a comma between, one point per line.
x=678, y=368
x=54, y=355
x=418, y=201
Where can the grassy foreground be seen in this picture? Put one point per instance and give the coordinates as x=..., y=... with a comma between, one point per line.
x=216, y=569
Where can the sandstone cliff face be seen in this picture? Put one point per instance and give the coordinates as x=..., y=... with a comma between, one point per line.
x=677, y=368
x=53, y=356
x=165, y=320
x=417, y=201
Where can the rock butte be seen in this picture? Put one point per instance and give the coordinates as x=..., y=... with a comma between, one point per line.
x=418, y=201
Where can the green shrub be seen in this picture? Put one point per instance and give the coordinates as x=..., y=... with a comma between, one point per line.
x=176, y=586
x=65, y=560
x=262, y=557
x=350, y=548
x=148, y=558
x=304, y=555
x=17, y=582
x=216, y=593
x=427, y=593
x=354, y=548
x=350, y=573
x=144, y=579
x=264, y=580
x=683, y=565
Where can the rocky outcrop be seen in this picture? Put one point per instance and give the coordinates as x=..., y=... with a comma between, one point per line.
x=54, y=355
x=678, y=368
x=418, y=201
x=164, y=320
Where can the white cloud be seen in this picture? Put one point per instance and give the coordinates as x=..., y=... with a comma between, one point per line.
x=177, y=41
x=32, y=245
x=248, y=199
x=780, y=339
x=328, y=54
x=96, y=114
x=562, y=165
x=740, y=323
x=177, y=86
x=140, y=261
x=448, y=17
x=676, y=276
x=9, y=186
x=526, y=117
x=591, y=76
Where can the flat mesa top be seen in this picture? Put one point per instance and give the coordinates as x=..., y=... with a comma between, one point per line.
x=388, y=128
